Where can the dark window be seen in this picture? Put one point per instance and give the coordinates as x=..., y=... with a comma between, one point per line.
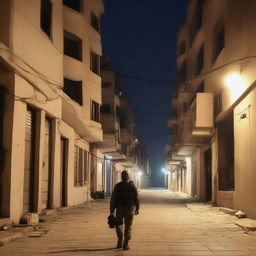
x=2, y=103
x=95, y=63
x=183, y=71
x=78, y=166
x=74, y=4
x=226, y=154
x=95, y=111
x=95, y=22
x=219, y=41
x=197, y=21
x=106, y=85
x=218, y=103
x=46, y=16
x=86, y=165
x=72, y=46
x=117, y=112
x=182, y=48
x=74, y=90
x=200, y=60
x=200, y=87
x=185, y=107
x=106, y=109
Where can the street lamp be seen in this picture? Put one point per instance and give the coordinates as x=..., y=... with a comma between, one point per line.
x=236, y=83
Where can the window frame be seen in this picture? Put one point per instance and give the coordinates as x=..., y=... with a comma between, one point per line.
x=95, y=111
x=68, y=38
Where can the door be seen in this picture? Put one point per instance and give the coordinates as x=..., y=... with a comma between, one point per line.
x=108, y=176
x=99, y=177
x=29, y=170
x=208, y=173
x=63, y=171
x=47, y=164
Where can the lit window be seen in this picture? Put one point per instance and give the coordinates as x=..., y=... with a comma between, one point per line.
x=46, y=16
x=72, y=46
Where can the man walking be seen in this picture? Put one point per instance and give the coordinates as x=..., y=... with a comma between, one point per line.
x=125, y=201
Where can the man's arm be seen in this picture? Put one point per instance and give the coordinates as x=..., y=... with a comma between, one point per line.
x=113, y=201
x=137, y=201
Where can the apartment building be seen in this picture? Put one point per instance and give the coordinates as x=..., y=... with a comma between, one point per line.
x=120, y=146
x=213, y=106
x=50, y=97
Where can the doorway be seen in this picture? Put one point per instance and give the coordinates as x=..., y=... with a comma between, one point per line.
x=208, y=173
x=29, y=170
x=63, y=171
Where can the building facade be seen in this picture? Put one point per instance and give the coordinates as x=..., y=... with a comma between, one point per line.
x=120, y=146
x=50, y=104
x=212, y=140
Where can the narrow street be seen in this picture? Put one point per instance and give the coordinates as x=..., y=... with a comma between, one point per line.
x=165, y=226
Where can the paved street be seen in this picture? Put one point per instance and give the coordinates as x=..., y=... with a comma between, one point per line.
x=165, y=226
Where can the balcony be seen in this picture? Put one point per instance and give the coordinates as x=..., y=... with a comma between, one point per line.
x=199, y=120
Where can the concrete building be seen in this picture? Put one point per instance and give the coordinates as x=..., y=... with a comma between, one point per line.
x=49, y=108
x=120, y=145
x=213, y=106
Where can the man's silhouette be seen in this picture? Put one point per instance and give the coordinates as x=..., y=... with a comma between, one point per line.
x=125, y=201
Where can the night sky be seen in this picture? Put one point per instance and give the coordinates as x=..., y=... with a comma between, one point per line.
x=140, y=38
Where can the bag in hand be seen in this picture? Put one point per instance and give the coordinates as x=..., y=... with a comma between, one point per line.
x=112, y=221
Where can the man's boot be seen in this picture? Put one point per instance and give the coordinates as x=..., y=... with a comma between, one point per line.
x=119, y=243
x=126, y=245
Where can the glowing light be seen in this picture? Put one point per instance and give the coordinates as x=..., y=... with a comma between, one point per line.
x=236, y=84
x=140, y=174
x=109, y=157
x=163, y=170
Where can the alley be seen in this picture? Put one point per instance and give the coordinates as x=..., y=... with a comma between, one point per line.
x=165, y=226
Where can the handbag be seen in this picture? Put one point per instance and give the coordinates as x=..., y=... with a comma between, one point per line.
x=112, y=222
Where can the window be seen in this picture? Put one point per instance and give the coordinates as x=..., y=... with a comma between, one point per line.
x=185, y=107
x=46, y=16
x=218, y=103
x=106, y=85
x=219, y=41
x=106, y=109
x=117, y=112
x=72, y=46
x=95, y=63
x=183, y=71
x=182, y=48
x=80, y=166
x=74, y=4
x=197, y=20
x=95, y=23
x=2, y=103
x=74, y=90
x=95, y=113
x=200, y=60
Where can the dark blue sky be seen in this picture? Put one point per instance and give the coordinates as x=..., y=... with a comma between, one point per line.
x=140, y=38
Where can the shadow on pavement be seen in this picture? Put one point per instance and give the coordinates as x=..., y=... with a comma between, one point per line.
x=85, y=250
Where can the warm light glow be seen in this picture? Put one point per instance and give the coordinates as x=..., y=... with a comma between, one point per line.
x=139, y=174
x=237, y=85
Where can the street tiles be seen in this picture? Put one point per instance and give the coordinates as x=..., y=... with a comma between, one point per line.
x=164, y=227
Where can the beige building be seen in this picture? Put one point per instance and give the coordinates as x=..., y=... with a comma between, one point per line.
x=213, y=119
x=120, y=146
x=49, y=109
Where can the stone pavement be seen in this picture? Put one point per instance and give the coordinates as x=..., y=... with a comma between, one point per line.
x=165, y=226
